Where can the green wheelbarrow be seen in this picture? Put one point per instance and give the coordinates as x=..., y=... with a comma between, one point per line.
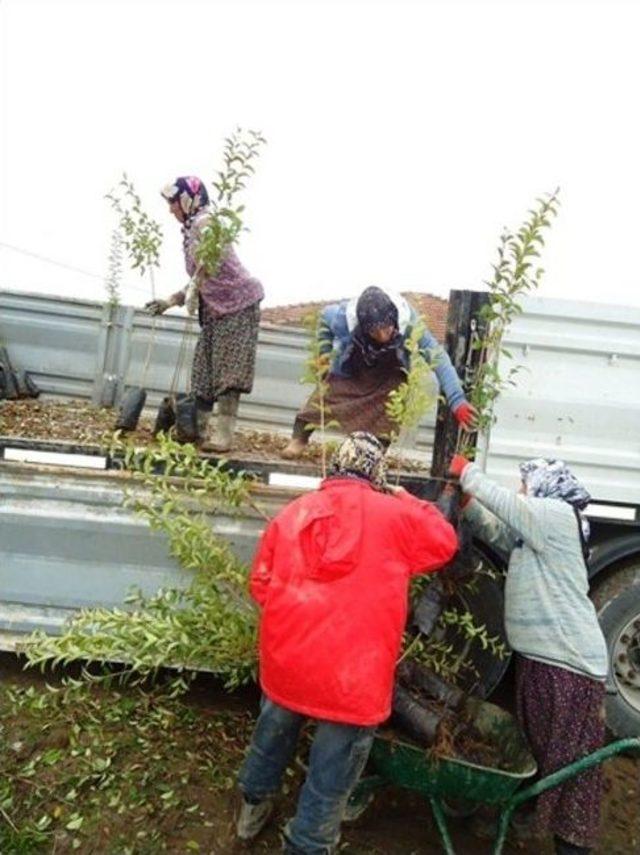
x=401, y=763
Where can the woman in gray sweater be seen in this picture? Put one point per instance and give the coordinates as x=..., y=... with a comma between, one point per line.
x=552, y=625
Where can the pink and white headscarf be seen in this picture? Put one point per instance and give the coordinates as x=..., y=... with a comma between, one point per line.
x=189, y=192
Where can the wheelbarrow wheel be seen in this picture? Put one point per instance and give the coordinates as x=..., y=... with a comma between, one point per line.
x=358, y=807
x=459, y=808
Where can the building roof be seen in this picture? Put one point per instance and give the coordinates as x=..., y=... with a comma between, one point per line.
x=433, y=309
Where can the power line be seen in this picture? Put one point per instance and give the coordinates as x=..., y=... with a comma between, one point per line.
x=65, y=266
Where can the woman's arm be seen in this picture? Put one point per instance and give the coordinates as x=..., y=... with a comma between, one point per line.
x=438, y=358
x=510, y=508
x=326, y=334
x=489, y=528
x=260, y=576
x=158, y=306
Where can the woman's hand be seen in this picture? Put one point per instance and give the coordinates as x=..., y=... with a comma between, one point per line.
x=158, y=307
x=457, y=466
x=466, y=415
x=395, y=489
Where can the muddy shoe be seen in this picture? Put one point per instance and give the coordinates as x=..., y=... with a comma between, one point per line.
x=294, y=450
x=221, y=438
x=356, y=808
x=521, y=828
x=253, y=818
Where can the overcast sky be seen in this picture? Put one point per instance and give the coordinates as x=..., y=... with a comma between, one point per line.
x=402, y=137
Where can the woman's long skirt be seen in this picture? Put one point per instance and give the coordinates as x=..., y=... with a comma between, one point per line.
x=225, y=356
x=562, y=715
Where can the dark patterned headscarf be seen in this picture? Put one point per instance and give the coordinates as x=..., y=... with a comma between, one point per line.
x=546, y=478
x=375, y=309
x=190, y=192
x=361, y=455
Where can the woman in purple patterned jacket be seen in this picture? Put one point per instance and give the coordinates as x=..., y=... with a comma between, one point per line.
x=228, y=306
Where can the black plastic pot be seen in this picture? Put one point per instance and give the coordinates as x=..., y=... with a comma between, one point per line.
x=420, y=722
x=186, y=411
x=166, y=417
x=412, y=675
x=15, y=384
x=461, y=568
x=430, y=606
x=130, y=408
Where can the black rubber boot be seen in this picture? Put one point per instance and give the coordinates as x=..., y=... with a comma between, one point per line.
x=563, y=847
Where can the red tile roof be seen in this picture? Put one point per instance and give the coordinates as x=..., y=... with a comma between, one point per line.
x=433, y=309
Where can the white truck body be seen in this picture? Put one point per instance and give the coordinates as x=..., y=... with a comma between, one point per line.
x=66, y=542
x=577, y=396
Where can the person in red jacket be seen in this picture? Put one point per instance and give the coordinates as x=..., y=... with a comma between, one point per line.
x=331, y=575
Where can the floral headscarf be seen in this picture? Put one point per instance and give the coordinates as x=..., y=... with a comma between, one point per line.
x=190, y=192
x=552, y=479
x=361, y=455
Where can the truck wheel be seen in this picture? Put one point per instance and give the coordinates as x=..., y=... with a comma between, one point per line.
x=484, y=598
x=617, y=600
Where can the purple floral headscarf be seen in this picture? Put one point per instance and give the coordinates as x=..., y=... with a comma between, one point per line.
x=190, y=192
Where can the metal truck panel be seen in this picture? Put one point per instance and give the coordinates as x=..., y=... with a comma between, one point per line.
x=577, y=395
x=66, y=542
x=85, y=350
x=60, y=342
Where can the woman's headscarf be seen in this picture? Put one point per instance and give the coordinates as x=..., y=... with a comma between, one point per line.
x=552, y=479
x=190, y=192
x=361, y=455
x=375, y=309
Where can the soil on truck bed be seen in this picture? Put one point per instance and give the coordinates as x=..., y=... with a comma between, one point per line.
x=97, y=770
x=83, y=424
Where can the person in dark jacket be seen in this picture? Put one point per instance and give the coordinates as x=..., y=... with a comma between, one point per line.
x=228, y=308
x=368, y=337
x=331, y=576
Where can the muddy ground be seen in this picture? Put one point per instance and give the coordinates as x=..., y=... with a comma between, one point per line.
x=111, y=770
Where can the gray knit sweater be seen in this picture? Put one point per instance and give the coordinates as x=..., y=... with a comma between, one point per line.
x=548, y=614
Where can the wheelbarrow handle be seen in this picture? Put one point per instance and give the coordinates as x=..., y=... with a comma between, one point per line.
x=557, y=778
x=575, y=768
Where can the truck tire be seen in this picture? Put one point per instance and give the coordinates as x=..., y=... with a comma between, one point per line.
x=617, y=600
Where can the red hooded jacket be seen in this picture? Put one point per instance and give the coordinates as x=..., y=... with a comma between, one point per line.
x=332, y=575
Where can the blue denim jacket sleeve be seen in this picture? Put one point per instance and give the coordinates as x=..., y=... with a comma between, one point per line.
x=334, y=335
x=438, y=357
x=325, y=330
